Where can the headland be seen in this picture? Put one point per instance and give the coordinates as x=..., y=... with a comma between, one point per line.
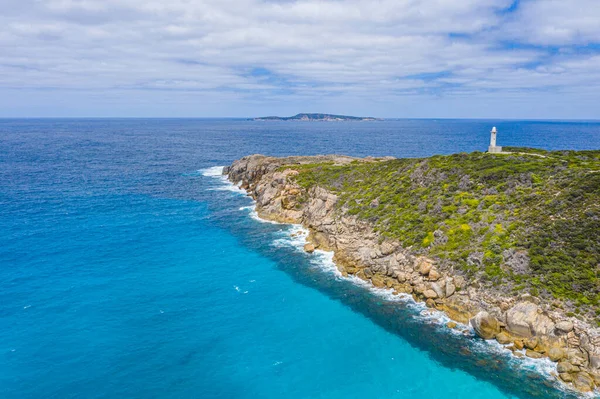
x=507, y=243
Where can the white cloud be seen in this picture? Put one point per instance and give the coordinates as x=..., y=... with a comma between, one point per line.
x=557, y=22
x=247, y=54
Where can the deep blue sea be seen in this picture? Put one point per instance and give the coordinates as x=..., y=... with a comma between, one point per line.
x=129, y=269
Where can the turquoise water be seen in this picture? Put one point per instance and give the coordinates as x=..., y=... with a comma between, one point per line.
x=129, y=270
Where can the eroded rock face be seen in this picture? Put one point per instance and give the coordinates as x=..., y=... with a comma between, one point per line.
x=360, y=251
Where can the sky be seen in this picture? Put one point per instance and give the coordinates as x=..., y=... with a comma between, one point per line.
x=525, y=59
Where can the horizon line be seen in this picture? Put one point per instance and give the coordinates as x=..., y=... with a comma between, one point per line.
x=379, y=119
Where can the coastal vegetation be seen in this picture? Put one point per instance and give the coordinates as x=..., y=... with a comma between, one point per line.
x=527, y=220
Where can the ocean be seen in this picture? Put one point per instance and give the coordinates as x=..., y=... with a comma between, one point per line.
x=131, y=269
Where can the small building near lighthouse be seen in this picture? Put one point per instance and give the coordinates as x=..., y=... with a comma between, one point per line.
x=493, y=147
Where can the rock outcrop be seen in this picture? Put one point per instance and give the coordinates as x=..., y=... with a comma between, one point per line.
x=485, y=325
x=523, y=322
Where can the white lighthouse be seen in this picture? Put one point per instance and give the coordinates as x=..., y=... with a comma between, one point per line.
x=493, y=147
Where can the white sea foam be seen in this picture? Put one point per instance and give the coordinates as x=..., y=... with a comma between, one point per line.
x=216, y=172
x=543, y=367
x=239, y=290
x=254, y=215
x=213, y=171
x=230, y=187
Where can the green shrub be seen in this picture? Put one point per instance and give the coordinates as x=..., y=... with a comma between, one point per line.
x=546, y=204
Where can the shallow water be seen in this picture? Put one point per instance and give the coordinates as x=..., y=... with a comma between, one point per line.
x=131, y=269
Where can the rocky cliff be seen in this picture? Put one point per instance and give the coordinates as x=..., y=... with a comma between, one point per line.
x=524, y=323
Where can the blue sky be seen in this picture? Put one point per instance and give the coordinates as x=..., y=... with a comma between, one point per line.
x=386, y=58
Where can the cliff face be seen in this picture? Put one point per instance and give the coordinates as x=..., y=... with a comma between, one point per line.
x=529, y=326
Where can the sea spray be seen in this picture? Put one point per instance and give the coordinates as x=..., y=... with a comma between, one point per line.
x=217, y=173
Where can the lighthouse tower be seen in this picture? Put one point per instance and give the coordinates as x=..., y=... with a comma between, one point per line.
x=493, y=147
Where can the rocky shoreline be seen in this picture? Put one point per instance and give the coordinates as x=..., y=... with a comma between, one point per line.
x=523, y=323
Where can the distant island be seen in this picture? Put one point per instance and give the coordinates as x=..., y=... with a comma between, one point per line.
x=315, y=117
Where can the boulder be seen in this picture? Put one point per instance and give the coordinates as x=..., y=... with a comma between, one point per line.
x=577, y=357
x=402, y=277
x=308, y=247
x=457, y=311
x=556, y=354
x=378, y=281
x=526, y=320
x=425, y=266
x=565, y=367
x=451, y=324
x=583, y=382
x=430, y=303
x=566, y=377
x=430, y=294
x=485, y=325
x=405, y=288
x=503, y=338
x=387, y=247
x=564, y=327
x=434, y=275
x=519, y=344
x=533, y=354
x=530, y=343
x=420, y=288
x=439, y=290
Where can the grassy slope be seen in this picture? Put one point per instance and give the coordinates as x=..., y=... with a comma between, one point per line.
x=526, y=221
